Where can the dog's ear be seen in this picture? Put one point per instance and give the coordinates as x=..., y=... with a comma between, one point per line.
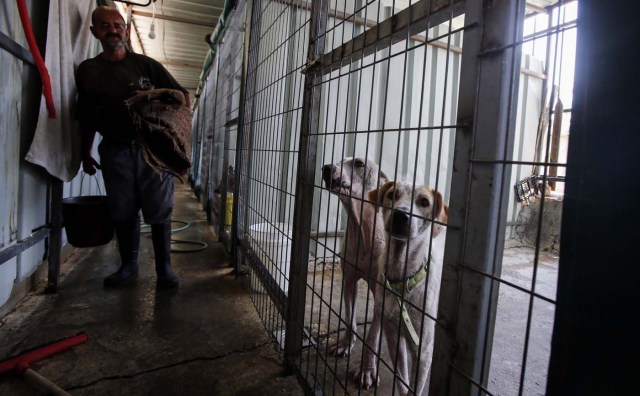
x=383, y=177
x=373, y=195
x=441, y=211
x=378, y=194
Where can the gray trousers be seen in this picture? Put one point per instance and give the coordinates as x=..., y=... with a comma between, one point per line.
x=132, y=185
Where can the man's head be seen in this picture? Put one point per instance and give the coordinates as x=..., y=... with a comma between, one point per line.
x=109, y=27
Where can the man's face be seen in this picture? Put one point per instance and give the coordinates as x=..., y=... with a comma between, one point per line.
x=110, y=29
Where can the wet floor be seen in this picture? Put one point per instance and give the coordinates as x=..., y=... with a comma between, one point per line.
x=205, y=338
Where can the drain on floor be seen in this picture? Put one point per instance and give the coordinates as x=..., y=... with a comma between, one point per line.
x=307, y=340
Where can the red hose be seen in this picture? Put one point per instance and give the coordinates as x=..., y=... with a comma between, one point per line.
x=21, y=362
x=42, y=69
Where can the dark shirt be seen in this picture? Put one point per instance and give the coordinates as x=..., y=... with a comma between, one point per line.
x=103, y=86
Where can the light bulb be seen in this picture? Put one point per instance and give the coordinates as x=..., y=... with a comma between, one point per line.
x=152, y=31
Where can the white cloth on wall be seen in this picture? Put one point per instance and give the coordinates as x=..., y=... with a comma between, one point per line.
x=56, y=144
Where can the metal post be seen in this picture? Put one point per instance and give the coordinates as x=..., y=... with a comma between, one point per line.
x=305, y=187
x=229, y=124
x=479, y=193
x=289, y=86
x=240, y=131
x=55, y=235
x=209, y=200
x=244, y=143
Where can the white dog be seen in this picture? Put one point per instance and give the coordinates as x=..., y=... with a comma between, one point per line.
x=351, y=179
x=410, y=272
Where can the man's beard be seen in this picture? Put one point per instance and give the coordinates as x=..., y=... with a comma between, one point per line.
x=114, y=44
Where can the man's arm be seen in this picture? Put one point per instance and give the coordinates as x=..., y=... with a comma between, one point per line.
x=83, y=114
x=87, y=135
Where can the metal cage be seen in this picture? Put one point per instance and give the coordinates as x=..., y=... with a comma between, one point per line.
x=468, y=98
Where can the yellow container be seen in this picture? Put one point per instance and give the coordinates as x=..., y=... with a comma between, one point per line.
x=228, y=215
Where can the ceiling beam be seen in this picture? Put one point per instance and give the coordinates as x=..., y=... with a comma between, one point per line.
x=175, y=19
x=171, y=62
x=536, y=8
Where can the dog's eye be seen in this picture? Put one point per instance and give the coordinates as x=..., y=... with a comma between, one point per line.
x=359, y=164
x=391, y=195
x=424, y=202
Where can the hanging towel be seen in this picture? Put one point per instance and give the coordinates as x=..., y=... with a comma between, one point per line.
x=56, y=144
x=163, y=124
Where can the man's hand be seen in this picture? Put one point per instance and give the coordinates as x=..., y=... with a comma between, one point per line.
x=89, y=165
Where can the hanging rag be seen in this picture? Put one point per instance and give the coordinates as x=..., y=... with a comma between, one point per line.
x=56, y=143
x=163, y=123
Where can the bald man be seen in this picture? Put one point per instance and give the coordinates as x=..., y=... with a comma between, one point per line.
x=104, y=83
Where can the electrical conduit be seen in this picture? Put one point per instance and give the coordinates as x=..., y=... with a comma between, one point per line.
x=33, y=47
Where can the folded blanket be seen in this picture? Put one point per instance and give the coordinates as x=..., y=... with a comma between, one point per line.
x=163, y=123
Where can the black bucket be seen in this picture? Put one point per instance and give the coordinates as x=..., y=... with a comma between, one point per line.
x=87, y=220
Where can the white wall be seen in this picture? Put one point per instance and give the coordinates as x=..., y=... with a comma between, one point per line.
x=417, y=114
x=399, y=111
x=10, y=110
x=276, y=114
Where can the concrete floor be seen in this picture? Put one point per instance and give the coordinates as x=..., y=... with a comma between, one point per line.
x=508, y=358
x=203, y=339
x=207, y=338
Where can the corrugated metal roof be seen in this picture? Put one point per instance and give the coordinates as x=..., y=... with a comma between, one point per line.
x=180, y=30
x=181, y=27
x=540, y=5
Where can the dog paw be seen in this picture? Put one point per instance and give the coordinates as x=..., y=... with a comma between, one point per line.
x=341, y=348
x=367, y=377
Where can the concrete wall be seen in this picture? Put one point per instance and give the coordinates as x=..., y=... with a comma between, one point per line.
x=546, y=218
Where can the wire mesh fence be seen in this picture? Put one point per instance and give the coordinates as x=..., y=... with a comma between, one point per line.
x=398, y=183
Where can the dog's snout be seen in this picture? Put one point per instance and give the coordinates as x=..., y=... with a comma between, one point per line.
x=327, y=173
x=400, y=223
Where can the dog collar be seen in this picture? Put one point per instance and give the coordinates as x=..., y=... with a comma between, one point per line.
x=411, y=281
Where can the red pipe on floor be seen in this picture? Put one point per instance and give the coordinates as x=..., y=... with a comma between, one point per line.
x=42, y=68
x=21, y=362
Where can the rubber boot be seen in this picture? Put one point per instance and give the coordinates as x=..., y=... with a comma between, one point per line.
x=161, y=238
x=128, y=236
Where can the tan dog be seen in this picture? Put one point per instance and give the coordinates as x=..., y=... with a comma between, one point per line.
x=410, y=272
x=351, y=179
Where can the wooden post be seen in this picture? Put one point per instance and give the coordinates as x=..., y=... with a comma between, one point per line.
x=555, y=141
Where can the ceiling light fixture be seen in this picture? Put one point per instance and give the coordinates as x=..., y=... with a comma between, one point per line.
x=152, y=28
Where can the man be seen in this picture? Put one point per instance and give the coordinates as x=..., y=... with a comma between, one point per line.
x=104, y=83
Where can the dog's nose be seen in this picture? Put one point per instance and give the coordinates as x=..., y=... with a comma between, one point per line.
x=400, y=223
x=327, y=171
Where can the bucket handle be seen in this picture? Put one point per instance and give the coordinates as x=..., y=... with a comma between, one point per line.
x=82, y=174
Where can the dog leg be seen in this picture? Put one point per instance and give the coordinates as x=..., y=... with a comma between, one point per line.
x=423, y=379
x=424, y=371
x=400, y=360
x=344, y=344
x=367, y=376
x=393, y=344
